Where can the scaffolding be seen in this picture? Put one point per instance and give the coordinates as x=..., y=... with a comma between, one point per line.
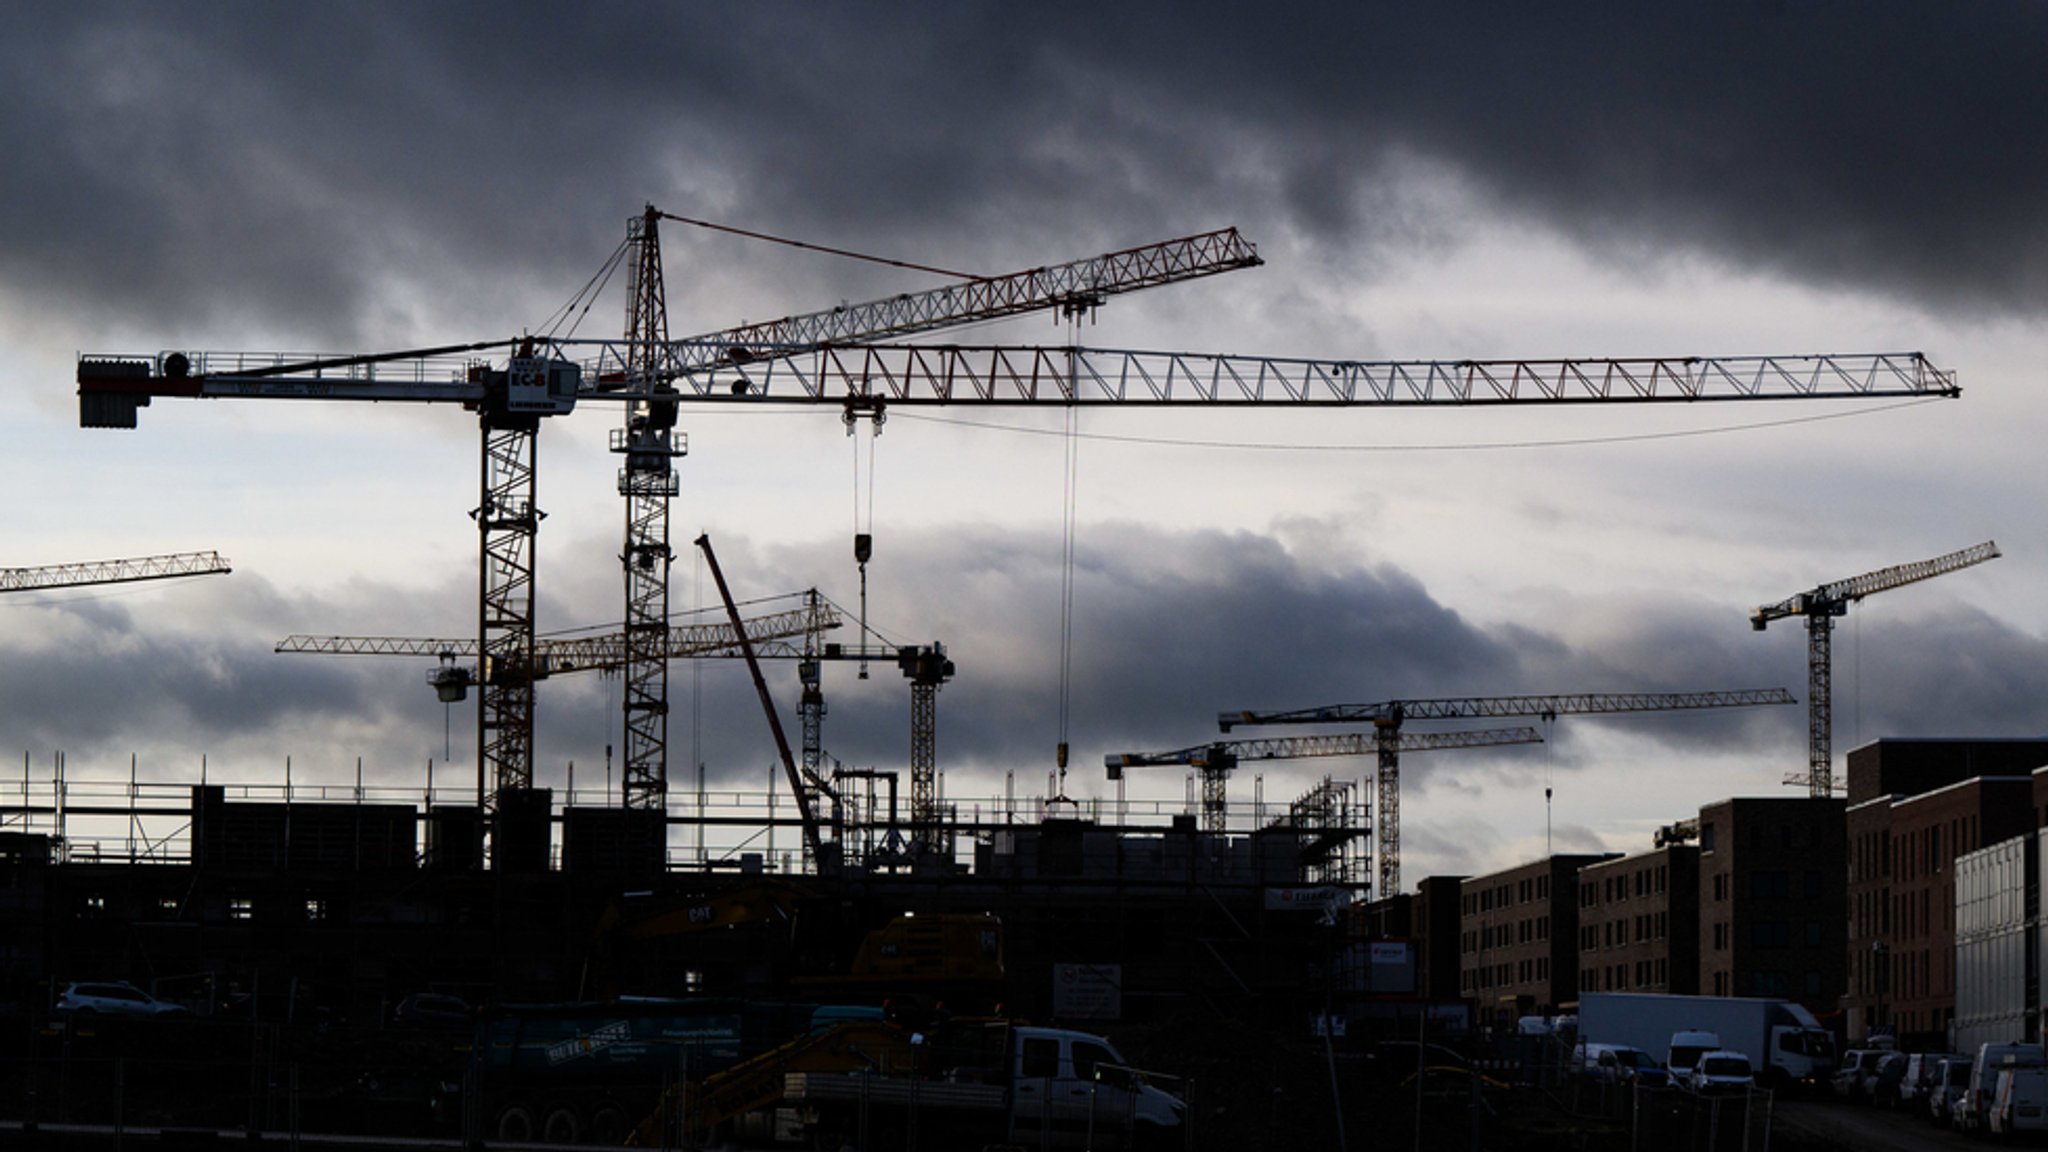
x=148, y=817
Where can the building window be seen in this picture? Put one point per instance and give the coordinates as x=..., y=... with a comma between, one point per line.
x=316, y=909
x=241, y=908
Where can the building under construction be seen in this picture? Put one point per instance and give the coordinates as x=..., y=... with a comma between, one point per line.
x=344, y=900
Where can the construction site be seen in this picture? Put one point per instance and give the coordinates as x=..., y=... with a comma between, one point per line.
x=489, y=961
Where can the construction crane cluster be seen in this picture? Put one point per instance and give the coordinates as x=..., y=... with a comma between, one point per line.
x=1389, y=739
x=840, y=357
x=1215, y=761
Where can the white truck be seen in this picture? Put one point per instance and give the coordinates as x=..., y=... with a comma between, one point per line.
x=984, y=1084
x=1785, y=1044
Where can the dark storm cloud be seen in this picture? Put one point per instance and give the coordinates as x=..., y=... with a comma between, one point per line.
x=1171, y=628
x=190, y=668
x=1174, y=627
x=325, y=169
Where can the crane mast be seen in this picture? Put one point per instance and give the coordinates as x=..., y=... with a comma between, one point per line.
x=1819, y=607
x=1387, y=717
x=649, y=443
x=647, y=363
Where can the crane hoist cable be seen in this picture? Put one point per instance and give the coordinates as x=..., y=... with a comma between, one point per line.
x=1070, y=500
x=863, y=519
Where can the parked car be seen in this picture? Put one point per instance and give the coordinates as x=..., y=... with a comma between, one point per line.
x=1882, y=1086
x=1616, y=1064
x=113, y=998
x=1721, y=1071
x=1395, y=1059
x=1687, y=1046
x=434, y=1010
x=1919, y=1074
x=1945, y=1091
x=1851, y=1079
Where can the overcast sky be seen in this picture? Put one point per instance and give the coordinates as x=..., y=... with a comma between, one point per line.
x=1441, y=181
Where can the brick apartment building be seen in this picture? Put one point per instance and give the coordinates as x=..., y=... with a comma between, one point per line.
x=1915, y=806
x=1639, y=923
x=1518, y=937
x=1773, y=900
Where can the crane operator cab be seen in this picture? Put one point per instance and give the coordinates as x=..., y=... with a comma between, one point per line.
x=541, y=386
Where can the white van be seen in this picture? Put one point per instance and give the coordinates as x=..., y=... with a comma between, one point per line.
x=1686, y=1049
x=2020, y=1102
x=1973, y=1111
x=1719, y=1072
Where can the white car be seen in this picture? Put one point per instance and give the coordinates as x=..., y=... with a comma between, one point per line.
x=1616, y=1064
x=1721, y=1071
x=113, y=998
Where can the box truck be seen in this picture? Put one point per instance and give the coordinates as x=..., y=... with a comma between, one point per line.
x=1785, y=1044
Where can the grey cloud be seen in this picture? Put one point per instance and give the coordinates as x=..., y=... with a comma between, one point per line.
x=312, y=169
x=1171, y=628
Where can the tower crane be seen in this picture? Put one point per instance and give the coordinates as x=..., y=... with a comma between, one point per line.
x=1820, y=606
x=1215, y=761
x=538, y=380
x=926, y=667
x=162, y=567
x=649, y=440
x=770, y=633
x=1388, y=716
x=525, y=380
